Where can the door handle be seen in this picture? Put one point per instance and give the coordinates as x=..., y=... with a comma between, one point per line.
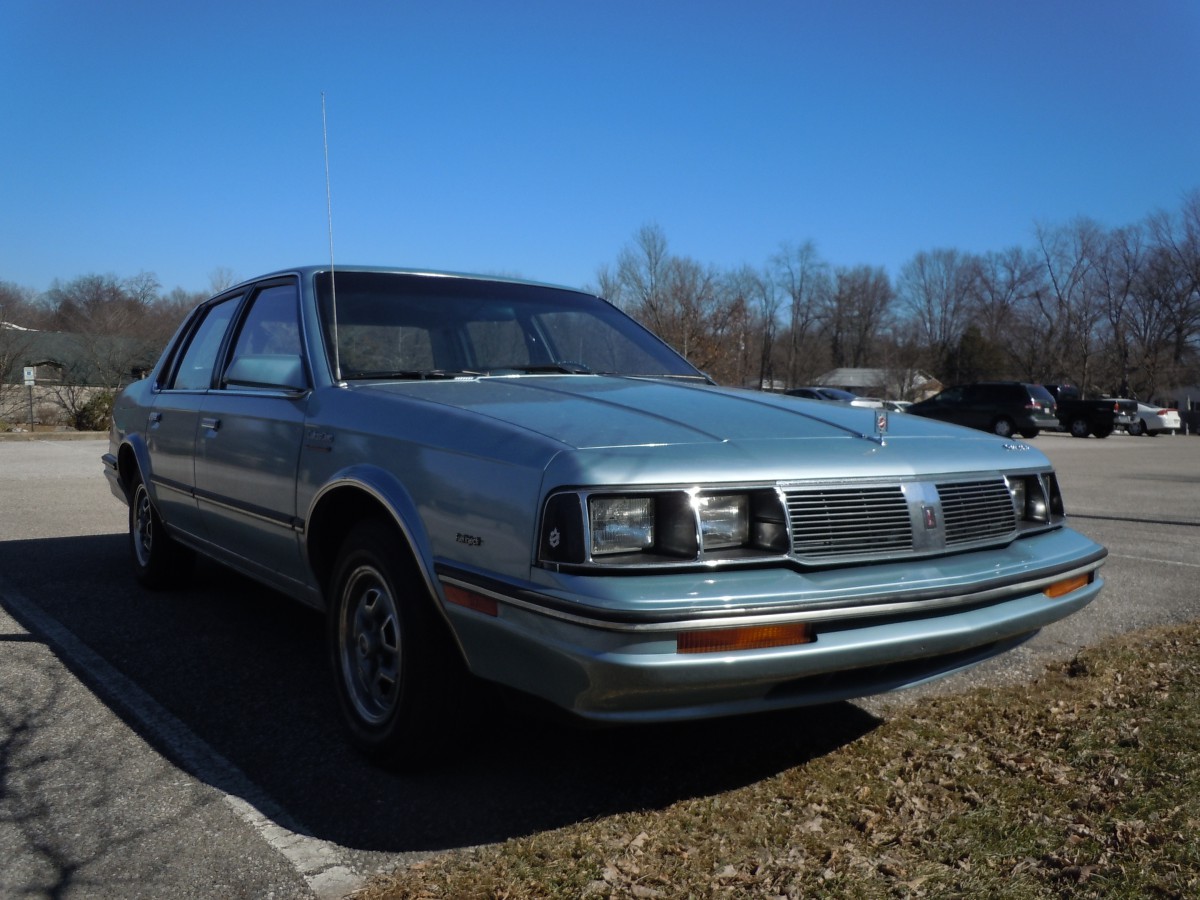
x=212, y=424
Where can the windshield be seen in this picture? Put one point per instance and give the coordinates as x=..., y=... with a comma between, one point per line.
x=394, y=325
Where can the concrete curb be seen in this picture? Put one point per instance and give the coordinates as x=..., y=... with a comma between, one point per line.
x=53, y=435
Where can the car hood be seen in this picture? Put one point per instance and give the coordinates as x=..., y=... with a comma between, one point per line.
x=593, y=412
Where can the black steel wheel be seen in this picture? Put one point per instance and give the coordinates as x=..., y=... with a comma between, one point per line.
x=397, y=673
x=1080, y=428
x=159, y=561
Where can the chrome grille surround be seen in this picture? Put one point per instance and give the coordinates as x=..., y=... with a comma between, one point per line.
x=847, y=521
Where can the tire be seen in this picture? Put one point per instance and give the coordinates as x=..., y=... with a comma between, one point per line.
x=1136, y=428
x=1080, y=428
x=1031, y=433
x=159, y=561
x=1003, y=427
x=1103, y=432
x=397, y=673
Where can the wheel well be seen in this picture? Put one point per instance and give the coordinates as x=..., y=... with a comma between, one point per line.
x=127, y=467
x=338, y=512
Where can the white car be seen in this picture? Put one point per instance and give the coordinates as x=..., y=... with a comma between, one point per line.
x=835, y=395
x=1153, y=420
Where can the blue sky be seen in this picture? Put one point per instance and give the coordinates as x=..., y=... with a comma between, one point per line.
x=535, y=138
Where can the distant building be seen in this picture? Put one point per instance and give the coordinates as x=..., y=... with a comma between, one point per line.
x=59, y=357
x=887, y=384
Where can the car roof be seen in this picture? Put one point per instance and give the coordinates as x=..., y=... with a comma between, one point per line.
x=310, y=270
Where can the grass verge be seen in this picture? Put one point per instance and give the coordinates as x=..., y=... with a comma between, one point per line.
x=1084, y=784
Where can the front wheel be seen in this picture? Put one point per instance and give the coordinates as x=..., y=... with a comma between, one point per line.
x=397, y=674
x=159, y=561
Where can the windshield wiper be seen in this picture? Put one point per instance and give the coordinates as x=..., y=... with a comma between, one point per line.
x=559, y=368
x=412, y=374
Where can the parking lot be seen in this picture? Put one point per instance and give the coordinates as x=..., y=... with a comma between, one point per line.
x=186, y=744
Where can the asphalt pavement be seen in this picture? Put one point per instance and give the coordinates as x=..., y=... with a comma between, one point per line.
x=186, y=745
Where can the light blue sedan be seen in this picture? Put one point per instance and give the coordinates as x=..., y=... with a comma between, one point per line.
x=517, y=482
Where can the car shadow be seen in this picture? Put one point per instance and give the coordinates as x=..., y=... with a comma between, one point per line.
x=245, y=670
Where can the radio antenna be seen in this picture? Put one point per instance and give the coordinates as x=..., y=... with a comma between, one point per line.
x=337, y=357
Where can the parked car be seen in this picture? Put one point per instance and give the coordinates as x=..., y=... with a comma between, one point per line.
x=1091, y=415
x=897, y=405
x=1002, y=407
x=835, y=395
x=519, y=482
x=1154, y=420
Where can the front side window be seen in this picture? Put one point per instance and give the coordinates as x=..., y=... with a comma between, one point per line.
x=272, y=326
x=195, y=369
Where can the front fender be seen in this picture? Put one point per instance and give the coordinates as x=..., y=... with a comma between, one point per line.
x=348, y=490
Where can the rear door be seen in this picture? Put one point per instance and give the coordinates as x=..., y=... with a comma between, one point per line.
x=174, y=418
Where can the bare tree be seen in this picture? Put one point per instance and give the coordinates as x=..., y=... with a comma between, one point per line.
x=936, y=289
x=17, y=314
x=803, y=277
x=640, y=272
x=220, y=278
x=1070, y=309
x=858, y=311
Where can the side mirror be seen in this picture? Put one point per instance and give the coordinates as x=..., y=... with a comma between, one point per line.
x=278, y=372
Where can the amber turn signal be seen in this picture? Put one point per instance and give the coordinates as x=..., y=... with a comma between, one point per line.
x=1067, y=585
x=751, y=637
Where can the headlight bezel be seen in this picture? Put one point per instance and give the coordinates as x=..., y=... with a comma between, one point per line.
x=661, y=527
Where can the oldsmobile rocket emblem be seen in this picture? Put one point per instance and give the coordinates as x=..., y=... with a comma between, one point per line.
x=881, y=421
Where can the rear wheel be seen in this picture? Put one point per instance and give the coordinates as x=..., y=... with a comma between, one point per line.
x=159, y=561
x=1003, y=427
x=1079, y=428
x=397, y=673
x=1136, y=427
x=1031, y=433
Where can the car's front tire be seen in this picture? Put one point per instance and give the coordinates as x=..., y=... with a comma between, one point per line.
x=398, y=675
x=159, y=561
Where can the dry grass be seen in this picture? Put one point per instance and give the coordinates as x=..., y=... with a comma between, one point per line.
x=1084, y=784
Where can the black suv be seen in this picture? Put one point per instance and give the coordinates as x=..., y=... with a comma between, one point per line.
x=1002, y=407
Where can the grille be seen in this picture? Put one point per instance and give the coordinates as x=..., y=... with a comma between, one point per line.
x=976, y=511
x=831, y=522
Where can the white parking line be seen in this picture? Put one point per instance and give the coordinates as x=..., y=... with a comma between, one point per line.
x=319, y=863
x=1161, y=562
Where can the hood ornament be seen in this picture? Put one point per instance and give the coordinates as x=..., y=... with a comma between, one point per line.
x=881, y=427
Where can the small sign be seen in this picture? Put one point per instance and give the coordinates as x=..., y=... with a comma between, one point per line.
x=30, y=376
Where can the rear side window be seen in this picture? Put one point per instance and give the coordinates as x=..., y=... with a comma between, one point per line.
x=1041, y=395
x=195, y=369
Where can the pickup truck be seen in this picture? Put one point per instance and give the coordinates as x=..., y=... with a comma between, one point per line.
x=1098, y=416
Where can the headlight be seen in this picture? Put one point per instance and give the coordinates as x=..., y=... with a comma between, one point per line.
x=621, y=524
x=724, y=520
x=662, y=527
x=1037, y=500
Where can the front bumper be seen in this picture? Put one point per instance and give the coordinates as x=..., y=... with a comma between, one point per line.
x=878, y=628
